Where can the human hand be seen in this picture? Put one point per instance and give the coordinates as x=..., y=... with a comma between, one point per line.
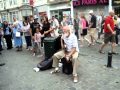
x=113, y=33
x=67, y=57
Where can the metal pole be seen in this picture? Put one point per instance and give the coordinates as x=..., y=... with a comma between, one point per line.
x=110, y=5
x=109, y=62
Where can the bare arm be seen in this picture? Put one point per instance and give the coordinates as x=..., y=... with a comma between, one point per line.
x=72, y=52
x=108, y=26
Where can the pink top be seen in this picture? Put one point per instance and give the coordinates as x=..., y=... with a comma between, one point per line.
x=83, y=22
x=38, y=37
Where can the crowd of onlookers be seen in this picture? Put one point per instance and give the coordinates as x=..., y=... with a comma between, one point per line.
x=34, y=32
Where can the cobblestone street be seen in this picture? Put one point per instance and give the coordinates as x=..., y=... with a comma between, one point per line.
x=18, y=72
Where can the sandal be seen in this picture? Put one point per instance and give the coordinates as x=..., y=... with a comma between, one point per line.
x=100, y=51
x=55, y=71
x=75, y=78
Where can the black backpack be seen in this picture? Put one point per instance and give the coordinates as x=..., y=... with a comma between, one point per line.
x=45, y=64
x=67, y=67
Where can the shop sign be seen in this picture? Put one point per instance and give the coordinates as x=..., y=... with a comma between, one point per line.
x=116, y=2
x=89, y=2
x=56, y=1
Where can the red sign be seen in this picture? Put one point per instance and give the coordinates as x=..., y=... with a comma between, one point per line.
x=31, y=2
x=90, y=2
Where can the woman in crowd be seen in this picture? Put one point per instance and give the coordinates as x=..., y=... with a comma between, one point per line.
x=84, y=27
x=26, y=30
x=45, y=28
x=17, y=36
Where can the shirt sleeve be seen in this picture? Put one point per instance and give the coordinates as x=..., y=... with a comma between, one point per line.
x=107, y=21
x=74, y=42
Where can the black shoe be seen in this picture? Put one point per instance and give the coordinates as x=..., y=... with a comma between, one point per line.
x=9, y=48
x=0, y=53
x=1, y=49
x=2, y=64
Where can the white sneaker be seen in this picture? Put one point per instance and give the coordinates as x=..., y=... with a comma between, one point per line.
x=60, y=64
x=36, y=69
x=33, y=54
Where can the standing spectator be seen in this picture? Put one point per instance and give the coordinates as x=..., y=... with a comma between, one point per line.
x=8, y=35
x=64, y=22
x=46, y=26
x=37, y=41
x=17, y=36
x=99, y=24
x=33, y=27
x=55, y=27
x=109, y=32
x=0, y=40
x=92, y=28
x=76, y=27
x=26, y=30
x=117, y=28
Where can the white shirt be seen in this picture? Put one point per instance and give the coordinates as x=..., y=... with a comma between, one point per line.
x=55, y=23
x=118, y=23
x=71, y=42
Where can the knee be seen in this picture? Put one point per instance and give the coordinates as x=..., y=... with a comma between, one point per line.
x=54, y=57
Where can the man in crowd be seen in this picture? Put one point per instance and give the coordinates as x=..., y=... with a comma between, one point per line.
x=55, y=26
x=109, y=32
x=92, y=28
x=71, y=45
x=8, y=35
x=1, y=34
x=33, y=26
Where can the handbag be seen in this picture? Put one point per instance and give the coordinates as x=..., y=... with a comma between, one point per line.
x=18, y=34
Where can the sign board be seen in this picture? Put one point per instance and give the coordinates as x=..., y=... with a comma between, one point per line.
x=89, y=2
x=57, y=1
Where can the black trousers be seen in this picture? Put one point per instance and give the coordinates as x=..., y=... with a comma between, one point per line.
x=116, y=36
x=8, y=39
x=0, y=44
x=28, y=41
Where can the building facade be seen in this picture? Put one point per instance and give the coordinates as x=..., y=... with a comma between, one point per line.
x=84, y=6
x=14, y=8
x=116, y=6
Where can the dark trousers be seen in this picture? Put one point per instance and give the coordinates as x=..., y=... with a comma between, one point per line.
x=8, y=39
x=0, y=44
x=42, y=41
x=28, y=41
x=116, y=36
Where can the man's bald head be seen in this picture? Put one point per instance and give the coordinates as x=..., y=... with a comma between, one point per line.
x=67, y=28
x=111, y=13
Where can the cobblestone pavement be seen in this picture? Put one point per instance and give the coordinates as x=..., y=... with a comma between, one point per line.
x=18, y=72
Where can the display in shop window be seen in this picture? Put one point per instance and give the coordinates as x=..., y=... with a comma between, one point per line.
x=89, y=2
x=115, y=2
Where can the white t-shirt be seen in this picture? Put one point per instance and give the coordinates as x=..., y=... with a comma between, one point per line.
x=118, y=23
x=71, y=42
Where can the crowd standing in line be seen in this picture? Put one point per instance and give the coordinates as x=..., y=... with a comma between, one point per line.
x=34, y=33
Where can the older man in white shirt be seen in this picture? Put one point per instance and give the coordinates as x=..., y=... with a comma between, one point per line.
x=72, y=50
